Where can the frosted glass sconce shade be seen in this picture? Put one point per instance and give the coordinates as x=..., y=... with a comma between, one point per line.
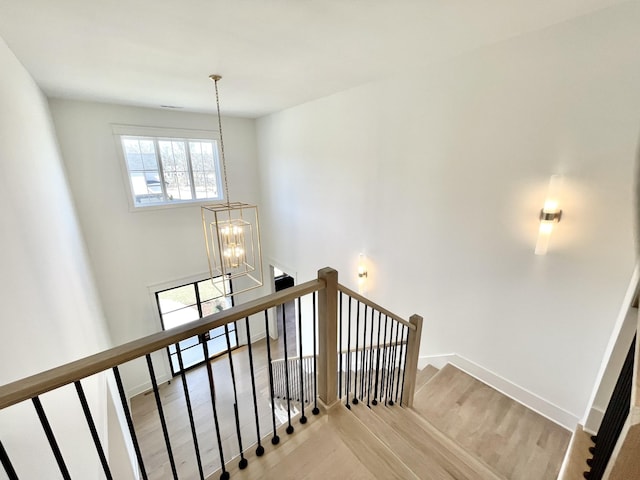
x=550, y=215
x=362, y=273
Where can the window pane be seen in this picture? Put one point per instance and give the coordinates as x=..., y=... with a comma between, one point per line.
x=176, y=173
x=214, y=306
x=134, y=161
x=207, y=182
x=195, y=148
x=177, y=298
x=167, y=169
x=208, y=289
x=179, y=155
x=131, y=145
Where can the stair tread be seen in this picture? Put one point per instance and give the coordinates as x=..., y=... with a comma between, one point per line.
x=370, y=450
x=424, y=449
x=424, y=376
x=275, y=454
x=319, y=454
x=514, y=440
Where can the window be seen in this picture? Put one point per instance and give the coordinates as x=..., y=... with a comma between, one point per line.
x=183, y=304
x=169, y=169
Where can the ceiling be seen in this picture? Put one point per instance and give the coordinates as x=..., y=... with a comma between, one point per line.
x=272, y=54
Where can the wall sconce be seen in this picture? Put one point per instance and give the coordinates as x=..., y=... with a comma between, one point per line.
x=550, y=215
x=362, y=273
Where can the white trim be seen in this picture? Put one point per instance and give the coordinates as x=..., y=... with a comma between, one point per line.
x=521, y=395
x=143, y=131
x=594, y=419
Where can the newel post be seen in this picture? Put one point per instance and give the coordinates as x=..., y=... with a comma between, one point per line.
x=327, y=336
x=411, y=367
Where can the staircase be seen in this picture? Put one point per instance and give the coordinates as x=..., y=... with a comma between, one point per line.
x=384, y=418
x=442, y=442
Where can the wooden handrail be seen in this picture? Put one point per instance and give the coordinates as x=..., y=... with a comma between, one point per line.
x=375, y=306
x=43, y=382
x=352, y=350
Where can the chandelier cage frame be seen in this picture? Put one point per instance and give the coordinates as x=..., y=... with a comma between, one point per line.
x=232, y=239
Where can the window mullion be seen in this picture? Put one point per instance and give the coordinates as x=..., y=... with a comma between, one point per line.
x=187, y=149
x=160, y=170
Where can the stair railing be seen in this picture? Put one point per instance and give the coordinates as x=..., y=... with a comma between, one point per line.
x=396, y=346
x=379, y=352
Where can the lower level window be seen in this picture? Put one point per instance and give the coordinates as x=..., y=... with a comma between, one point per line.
x=183, y=304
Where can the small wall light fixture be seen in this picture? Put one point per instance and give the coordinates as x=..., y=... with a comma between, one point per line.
x=362, y=272
x=550, y=215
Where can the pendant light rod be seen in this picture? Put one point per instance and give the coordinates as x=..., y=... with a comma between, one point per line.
x=215, y=77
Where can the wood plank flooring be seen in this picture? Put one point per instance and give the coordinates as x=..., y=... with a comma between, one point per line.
x=515, y=441
x=459, y=429
x=420, y=446
x=148, y=427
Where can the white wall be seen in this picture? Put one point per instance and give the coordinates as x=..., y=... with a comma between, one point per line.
x=50, y=312
x=438, y=175
x=132, y=251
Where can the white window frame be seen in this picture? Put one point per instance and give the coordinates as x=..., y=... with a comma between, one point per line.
x=160, y=133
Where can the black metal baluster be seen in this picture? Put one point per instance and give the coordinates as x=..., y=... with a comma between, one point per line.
x=370, y=369
x=355, y=382
x=243, y=461
x=363, y=355
x=260, y=448
x=92, y=429
x=127, y=414
x=187, y=398
x=296, y=378
x=614, y=418
x=303, y=419
x=385, y=355
x=6, y=463
x=375, y=393
x=395, y=362
x=406, y=332
x=163, y=423
x=390, y=367
x=340, y=372
x=275, y=439
x=401, y=363
x=347, y=385
x=315, y=410
x=290, y=428
x=212, y=391
x=309, y=362
x=51, y=438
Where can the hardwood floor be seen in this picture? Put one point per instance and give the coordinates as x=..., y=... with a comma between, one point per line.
x=515, y=441
x=459, y=429
x=149, y=431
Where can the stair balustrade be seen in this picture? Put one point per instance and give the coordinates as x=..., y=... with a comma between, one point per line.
x=381, y=346
x=613, y=420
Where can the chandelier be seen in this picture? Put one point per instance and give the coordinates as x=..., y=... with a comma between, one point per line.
x=232, y=236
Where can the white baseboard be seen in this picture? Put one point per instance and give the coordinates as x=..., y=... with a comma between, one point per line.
x=506, y=387
x=147, y=387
